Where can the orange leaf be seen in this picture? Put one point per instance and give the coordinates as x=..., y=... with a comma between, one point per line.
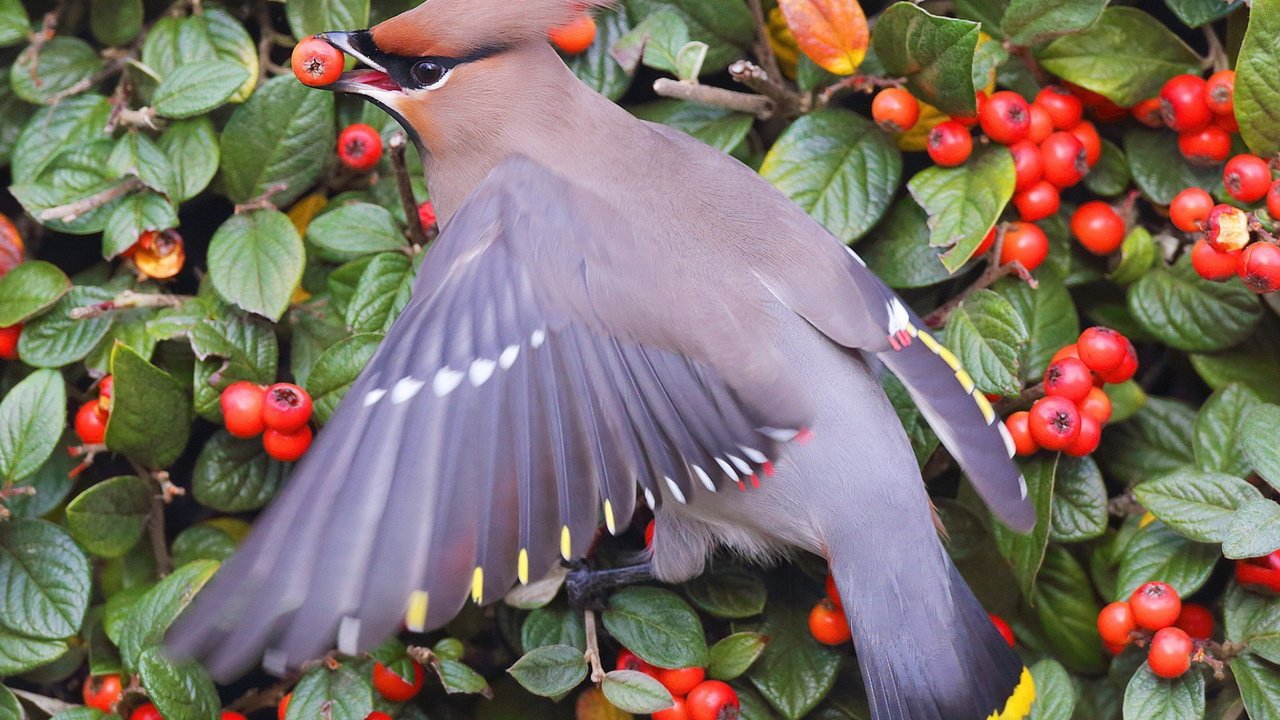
x=12, y=249
x=833, y=33
x=592, y=705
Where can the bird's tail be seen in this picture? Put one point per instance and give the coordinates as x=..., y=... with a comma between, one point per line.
x=927, y=649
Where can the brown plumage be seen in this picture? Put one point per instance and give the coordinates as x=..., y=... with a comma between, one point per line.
x=454, y=28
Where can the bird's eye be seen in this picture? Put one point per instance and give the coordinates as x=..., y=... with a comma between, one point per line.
x=428, y=73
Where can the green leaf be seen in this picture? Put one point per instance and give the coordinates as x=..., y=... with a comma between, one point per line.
x=551, y=670
x=1259, y=683
x=172, y=41
x=51, y=483
x=725, y=25
x=196, y=88
x=1030, y=22
x=1149, y=696
x=135, y=215
x=192, y=149
x=32, y=416
x=734, y=655
x=283, y=135
x=14, y=114
x=1079, y=507
x=1253, y=619
x=231, y=42
x=1220, y=436
x=53, y=130
x=308, y=17
x=336, y=369
x=728, y=591
x=795, y=672
x=340, y=694
x=110, y=517
x=1068, y=611
x=1257, y=90
x=839, y=167
x=1049, y=315
x=989, y=336
x=1255, y=363
x=717, y=127
x=80, y=172
x=664, y=34
x=458, y=678
x=19, y=654
x=46, y=580
x=1055, y=698
x=1190, y=313
x=1025, y=552
x=136, y=154
x=1126, y=56
x=658, y=626
x=934, y=54
x=1198, y=505
x=353, y=230
x=1156, y=552
x=234, y=475
x=180, y=691
x=15, y=25
x=597, y=67
x=381, y=293
x=203, y=542
x=1257, y=441
x=116, y=22
x=256, y=260
x=1110, y=175
x=9, y=707
x=29, y=289
x=1156, y=441
x=633, y=691
x=1138, y=254
x=1159, y=169
x=553, y=626
x=1254, y=530
x=148, y=619
x=1194, y=13
x=964, y=202
x=150, y=417
x=56, y=339
x=899, y=252
x=59, y=64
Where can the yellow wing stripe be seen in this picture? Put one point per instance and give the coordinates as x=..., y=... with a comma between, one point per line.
x=1019, y=704
x=929, y=342
x=415, y=617
x=477, y=584
x=949, y=358
x=522, y=567
x=966, y=380
x=962, y=375
x=566, y=547
x=988, y=412
x=608, y=517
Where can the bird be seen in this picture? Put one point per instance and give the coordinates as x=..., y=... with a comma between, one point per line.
x=614, y=313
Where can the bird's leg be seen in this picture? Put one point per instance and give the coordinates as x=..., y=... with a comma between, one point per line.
x=587, y=587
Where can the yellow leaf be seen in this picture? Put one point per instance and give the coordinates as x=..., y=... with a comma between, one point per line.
x=833, y=33
x=592, y=705
x=305, y=210
x=783, y=43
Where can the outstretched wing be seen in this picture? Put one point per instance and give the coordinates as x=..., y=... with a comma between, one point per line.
x=525, y=391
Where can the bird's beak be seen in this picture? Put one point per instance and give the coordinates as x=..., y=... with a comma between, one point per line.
x=371, y=81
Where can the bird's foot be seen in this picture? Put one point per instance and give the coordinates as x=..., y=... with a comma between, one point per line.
x=588, y=588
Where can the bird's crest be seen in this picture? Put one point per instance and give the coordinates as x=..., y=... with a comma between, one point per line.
x=455, y=28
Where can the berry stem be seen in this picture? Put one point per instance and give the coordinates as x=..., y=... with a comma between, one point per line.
x=938, y=317
x=592, y=654
x=127, y=300
x=758, y=105
x=1217, y=59
x=417, y=234
x=858, y=83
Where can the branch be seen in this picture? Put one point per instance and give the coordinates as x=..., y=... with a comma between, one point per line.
x=593, y=647
x=114, y=67
x=764, y=49
x=859, y=83
x=789, y=103
x=73, y=210
x=417, y=233
x=1217, y=57
x=758, y=105
x=263, y=201
x=125, y=301
x=938, y=317
x=155, y=529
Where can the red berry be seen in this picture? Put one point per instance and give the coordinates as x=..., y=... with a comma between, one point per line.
x=242, y=404
x=681, y=681
x=712, y=700
x=1101, y=348
x=1036, y=202
x=949, y=143
x=1273, y=205
x=106, y=387
x=1098, y=227
x=286, y=407
x=895, y=110
x=1209, y=145
x=833, y=593
x=91, y=423
x=1260, y=267
x=1065, y=109
x=1196, y=621
x=988, y=241
x=675, y=712
x=9, y=337
x=427, y=214
x=575, y=37
x=1219, y=92
x=233, y=715
x=1040, y=125
x=1087, y=441
x=1227, y=228
x=1247, y=177
x=980, y=99
x=1214, y=264
x=102, y=691
x=1227, y=122
x=1170, y=653
x=393, y=687
x=1127, y=367
x=286, y=447
x=648, y=533
x=1155, y=605
x=828, y=624
x=1054, y=422
x=1065, y=159
x=146, y=711
x=360, y=147
x=315, y=62
x=1086, y=133
x=628, y=660
x=1190, y=209
x=1026, y=163
x=1115, y=622
x=1182, y=103
x=1071, y=350
x=1068, y=378
x=1097, y=405
x=1020, y=431
x=1005, y=117
x=1026, y=243
x=283, y=707
x=1147, y=112
x=1003, y=628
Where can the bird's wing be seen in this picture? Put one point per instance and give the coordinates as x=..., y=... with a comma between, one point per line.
x=524, y=391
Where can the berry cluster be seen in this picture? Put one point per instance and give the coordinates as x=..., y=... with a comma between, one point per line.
x=1231, y=241
x=1155, y=616
x=1069, y=418
x=279, y=413
x=696, y=698
x=103, y=692
x=1262, y=571
x=91, y=419
x=1201, y=111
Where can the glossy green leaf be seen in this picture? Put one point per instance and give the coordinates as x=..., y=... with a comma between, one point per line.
x=15, y=25
x=964, y=202
x=46, y=580
x=196, y=88
x=19, y=654
x=658, y=626
x=55, y=338
x=51, y=131
x=597, y=67
x=1049, y=315
x=725, y=25
x=898, y=252
x=116, y=22
x=733, y=655
x=728, y=591
x=989, y=337
x=1157, y=440
x=1150, y=696
x=1199, y=505
x=722, y=129
x=1188, y=312
x=1255, y=363
x=1257, y=441
x=336, y=369
x=1029, y=22
x=1194, y=13
x=1220, y=431
x=109, y=518
x=1025, y=552
x=1079, y=507
x=1257, y=89
x=458, y=678
x=340, y=693
x=308, y=17
x=29, y=289
x=1068, y=611
x=32, y=415
x=934, y=54
x=1158, y=168
x=60, y=64
x=553, y=626
x=256, y=260
x=1259, y=683
x=148, y=619
x=1055, y=698
x=1138, y=253
x=202, y=542
x=234, y=475
x=1156, y=552
x=51, y=482
x=795, y=672
x=282, y=136
x=635, y=692
x=381, y=293
x=1254, y=531
x=551, y=670
x=180, y=691
x=150, y=417
x=1252, y=618
x=353, y=230
x=135, y=215
x=191, y=147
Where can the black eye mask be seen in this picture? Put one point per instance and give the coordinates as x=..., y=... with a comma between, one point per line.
x=413, y=73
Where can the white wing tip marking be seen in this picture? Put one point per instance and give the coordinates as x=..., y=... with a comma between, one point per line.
x=1009, y=445
x=727, y=468
x=675, y=490
x=704, y=477
x=445, y=381
x=508, y=356
x=649, y=499
x=753, y=454
x=348, y=635
x=373, y=396
x=741, y=464
x=405, y=388
x=1022, y=486
x=537, y=337
x=275, y=662
x=481, y=370
x=856, y=256
x=778, y=434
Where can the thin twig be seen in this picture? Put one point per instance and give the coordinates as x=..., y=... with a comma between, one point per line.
x=112, y=69
x=127, y=300
x=417, y=233
x=788, y=102
x=938, y=317
x=1217, y=57
x=263, y=201
x=858, y=83
x=73, y=210
x=593, y=647
x=155, y=529
x=758, y=105
x=764, y=48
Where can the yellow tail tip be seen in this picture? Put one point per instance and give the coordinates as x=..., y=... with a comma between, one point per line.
x=1018, y=706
